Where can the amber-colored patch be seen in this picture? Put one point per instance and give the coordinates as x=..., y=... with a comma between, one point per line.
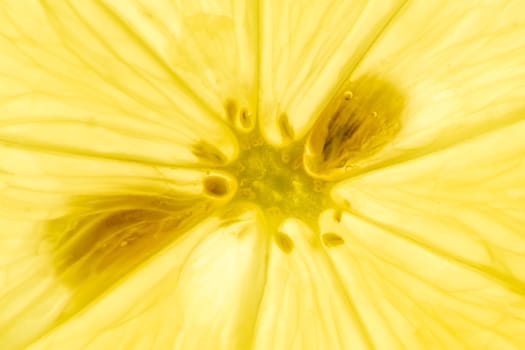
x=106, y=237
x=240, y=118
x=356, y=124
x=284, y=242
x=285, y=128
x=216, y=186
x=331, y=239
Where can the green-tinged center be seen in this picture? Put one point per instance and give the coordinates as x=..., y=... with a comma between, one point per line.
x=275, y=179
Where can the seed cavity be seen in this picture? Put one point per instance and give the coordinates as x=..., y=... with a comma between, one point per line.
x=246, y=120
x=241, y=118
x=216, y=186
x=285, y=128
x=331, y=239
x=284, y=242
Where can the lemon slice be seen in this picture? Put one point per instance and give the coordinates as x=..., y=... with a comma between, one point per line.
x=262, y=174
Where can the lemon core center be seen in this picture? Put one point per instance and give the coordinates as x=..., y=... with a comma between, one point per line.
x=275, y=180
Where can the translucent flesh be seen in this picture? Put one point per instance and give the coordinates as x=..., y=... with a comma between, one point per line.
x=262, y=174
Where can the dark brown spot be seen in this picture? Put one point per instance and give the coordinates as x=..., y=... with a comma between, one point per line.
x=284, y=242
x=331, y=239
x=285, y=127
x=216, y=186
x=246, y=119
